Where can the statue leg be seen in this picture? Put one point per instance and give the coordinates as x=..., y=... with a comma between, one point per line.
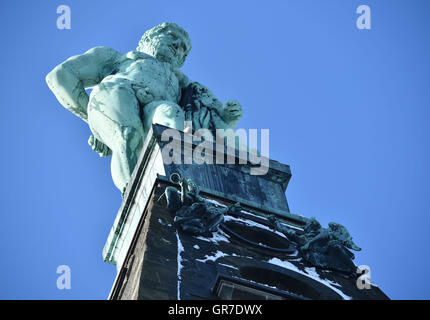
x=114, y=118
x=166, y=113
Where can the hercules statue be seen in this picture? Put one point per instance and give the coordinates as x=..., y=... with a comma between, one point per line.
x=131, y=92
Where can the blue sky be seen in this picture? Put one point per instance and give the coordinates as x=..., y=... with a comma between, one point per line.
x=347, y=109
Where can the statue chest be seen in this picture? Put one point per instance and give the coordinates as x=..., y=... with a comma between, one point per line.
x=156, y=76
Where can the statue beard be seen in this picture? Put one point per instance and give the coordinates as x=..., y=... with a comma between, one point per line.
x=162, y=52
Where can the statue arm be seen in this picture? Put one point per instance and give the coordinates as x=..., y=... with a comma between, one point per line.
x=69, y=79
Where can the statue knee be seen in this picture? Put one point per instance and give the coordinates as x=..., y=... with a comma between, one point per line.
x=169, y=114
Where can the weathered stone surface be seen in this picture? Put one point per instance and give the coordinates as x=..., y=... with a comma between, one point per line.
x=230, y=181
x=164, y=263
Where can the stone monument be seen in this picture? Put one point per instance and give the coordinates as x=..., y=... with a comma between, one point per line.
x=190, y=228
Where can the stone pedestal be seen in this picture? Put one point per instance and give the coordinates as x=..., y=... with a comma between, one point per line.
x=244, y=259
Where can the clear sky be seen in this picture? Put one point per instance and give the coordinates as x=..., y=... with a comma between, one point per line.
x=347, y=109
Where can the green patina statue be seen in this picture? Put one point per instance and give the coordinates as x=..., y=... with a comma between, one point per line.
x=134, y=90
x=323, y=248
x=193, y=214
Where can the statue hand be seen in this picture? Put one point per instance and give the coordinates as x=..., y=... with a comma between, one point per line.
x=99, y=147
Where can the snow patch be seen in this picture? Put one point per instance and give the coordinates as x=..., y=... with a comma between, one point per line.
x=217, y=255
x=310, y=272
x=180, y=250
x=215, y=202
x=252, y=214
x=218, y=236
x=227, y=265
x=255, y=224
x=262, y=217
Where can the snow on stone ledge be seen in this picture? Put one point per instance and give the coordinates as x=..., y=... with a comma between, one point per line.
x=310, y=272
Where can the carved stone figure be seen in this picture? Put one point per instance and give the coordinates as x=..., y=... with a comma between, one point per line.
x=130, y=92
x=323, y=248
x=193, y=214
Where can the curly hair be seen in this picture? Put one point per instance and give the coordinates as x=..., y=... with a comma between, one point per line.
x=152, y=33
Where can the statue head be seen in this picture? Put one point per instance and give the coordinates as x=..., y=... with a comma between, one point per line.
x=231, y=113
x=340, y=233
x=191, y=185
x=166, y=42
x=312, y=226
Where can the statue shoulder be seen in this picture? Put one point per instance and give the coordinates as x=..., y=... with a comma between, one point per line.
x=136, y=55
x=102, y=53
